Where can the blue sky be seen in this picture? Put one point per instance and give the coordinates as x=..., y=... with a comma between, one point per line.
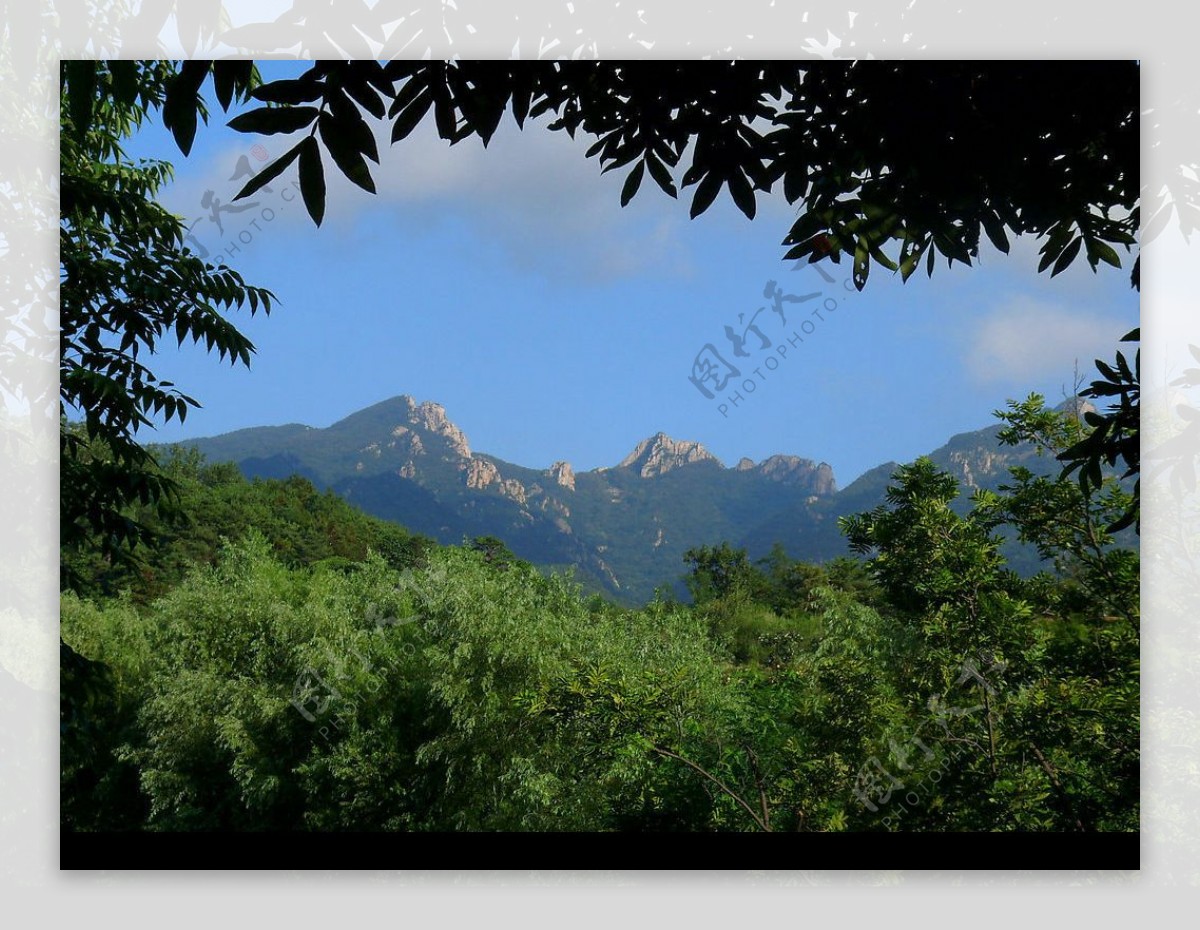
x=510, y=286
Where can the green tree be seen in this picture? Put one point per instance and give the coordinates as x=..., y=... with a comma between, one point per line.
x=716, y=572
x=1049, y=742
x=789, y=584
x=1070, y=523
x=944, y=574
x=127, y=283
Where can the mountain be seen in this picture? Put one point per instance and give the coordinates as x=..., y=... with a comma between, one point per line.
x=624, y=528
x=660, y=453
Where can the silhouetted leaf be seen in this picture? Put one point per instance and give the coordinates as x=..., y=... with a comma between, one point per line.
x=706, y=193
x=1067, y=256
x=632, y=182
x=269, y=121
x=269, y=174
x=81, y=90
x=742, y=193
x=366, y=97
x=352, y=126
x=995, y=231
x=291, y=91
x=795, y=182
x=345, y=155
x=180, y=108
x=407, y=121
x=312, y=179
x=662, y=177
x=1102, y=252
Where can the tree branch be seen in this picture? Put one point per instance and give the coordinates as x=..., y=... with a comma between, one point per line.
x=765, y=827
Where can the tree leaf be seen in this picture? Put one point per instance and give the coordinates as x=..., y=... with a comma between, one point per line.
x=124, y=80
x=412, y=115
x=862, y=263
x=632, y=182
x=706, y=193
x=80, y=77
x=795, y=183
x=367, y=98
x=351, y=124
x=742, y=193
x=269, y=121
x=345, y=155
x=1067, y=256
x=182, y=103
x=662, y=177
x=269, y=174
x=312, y=179
x=994, y=228
x=1102, y=251
x=291, y=91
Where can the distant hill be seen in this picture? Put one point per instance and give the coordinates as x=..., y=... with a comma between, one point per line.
x=624, y=528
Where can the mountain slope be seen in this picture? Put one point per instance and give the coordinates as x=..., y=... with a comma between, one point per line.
x=624, y=528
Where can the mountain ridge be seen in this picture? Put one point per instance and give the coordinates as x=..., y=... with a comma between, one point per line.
x=623, y=527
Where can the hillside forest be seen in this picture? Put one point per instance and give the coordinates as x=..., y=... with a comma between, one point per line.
x=275, y=659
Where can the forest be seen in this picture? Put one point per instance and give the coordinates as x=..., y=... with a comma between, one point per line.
x=276, y=660
x=260, y=656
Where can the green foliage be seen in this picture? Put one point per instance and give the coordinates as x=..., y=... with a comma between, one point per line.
x=927, y=557
x=465, y=691
x=101, y=687
x=1071, y=524
x=453, y=721
x=495, y=552
x=1049, y=741
x=215, y=503
x=1115, y=435
x=789, y=583
x=127, y=283
x=845, y=141
x=720, y=572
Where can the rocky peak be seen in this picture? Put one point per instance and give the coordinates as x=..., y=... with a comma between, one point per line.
x=480, y=474
x=745, y=464
x=660, y=453
x=1076, y=407
x=795, y=471
x=432, y=417
x=563, y=474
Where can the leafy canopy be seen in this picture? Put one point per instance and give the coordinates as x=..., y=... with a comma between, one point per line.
x=127, y=283
x=916, y=159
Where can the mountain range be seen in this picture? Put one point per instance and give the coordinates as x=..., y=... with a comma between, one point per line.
x=624, y=528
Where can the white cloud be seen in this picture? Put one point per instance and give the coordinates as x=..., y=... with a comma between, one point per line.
x=537, y=196
x=531, y=192
x=1024, y=340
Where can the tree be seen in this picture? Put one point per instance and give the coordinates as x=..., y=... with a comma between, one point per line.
x=894, y=163
x=720, y=571
x=997, y=154
x=128, y=282
x=1071, y=525
x=929, y=561
x=1052, y=739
